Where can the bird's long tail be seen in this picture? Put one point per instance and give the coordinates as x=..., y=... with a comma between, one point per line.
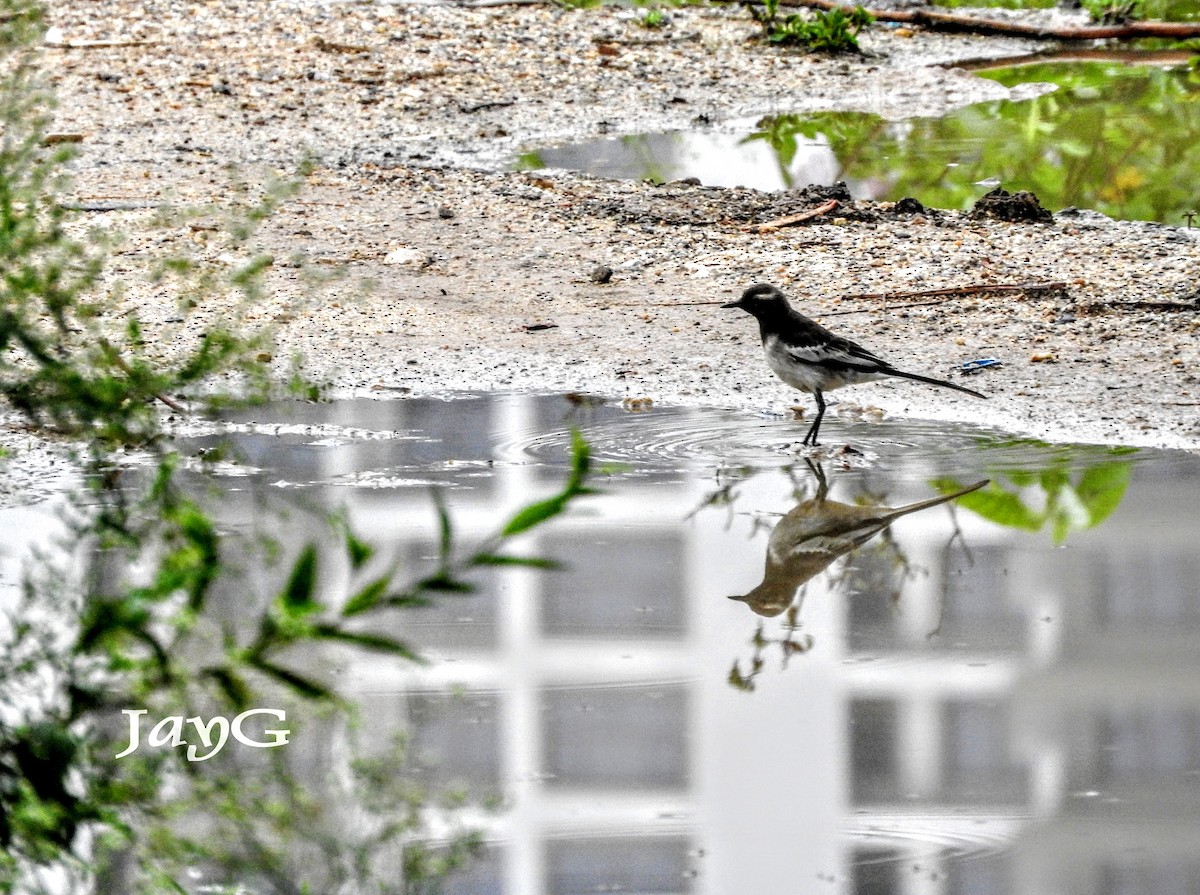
x=892, y=371
x=933, y=501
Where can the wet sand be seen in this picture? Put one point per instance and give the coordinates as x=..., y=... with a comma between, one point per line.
x=456, y=276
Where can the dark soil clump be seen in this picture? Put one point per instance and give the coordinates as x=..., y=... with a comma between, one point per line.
x=1018, y=207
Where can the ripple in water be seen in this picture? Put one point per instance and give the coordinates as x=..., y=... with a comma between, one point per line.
x=676, y=439
x=950, y=839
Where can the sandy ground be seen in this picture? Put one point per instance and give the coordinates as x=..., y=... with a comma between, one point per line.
x=482, y=279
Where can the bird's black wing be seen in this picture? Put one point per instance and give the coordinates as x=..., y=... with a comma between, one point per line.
x=834, y=353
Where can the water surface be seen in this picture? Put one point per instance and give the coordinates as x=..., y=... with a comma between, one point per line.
x=957, y=706
x=1110, y=136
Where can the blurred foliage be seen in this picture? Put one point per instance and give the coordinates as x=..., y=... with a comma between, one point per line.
x=1113, y=137
x=120, y=613
x=367, y=825
x=791, y=641
x=1116, y=138
x=70, y=361
x=139, y=629
x=1063, y=495
x=634, y=4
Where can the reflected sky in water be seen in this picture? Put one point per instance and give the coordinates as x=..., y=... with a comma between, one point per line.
x=1106, y=135
x=952, y=706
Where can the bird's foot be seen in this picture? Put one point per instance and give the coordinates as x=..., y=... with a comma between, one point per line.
x=845, y=455
x=804, y=449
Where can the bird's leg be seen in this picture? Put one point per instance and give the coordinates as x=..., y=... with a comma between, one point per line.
x=818, y=472
x=811, y=437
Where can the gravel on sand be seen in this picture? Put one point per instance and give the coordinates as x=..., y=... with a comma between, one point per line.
x=484, y=278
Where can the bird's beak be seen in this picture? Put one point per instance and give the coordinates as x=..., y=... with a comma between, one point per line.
x=732, y=304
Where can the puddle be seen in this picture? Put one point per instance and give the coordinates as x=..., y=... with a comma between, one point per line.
x=954, y=706
x=1164, y=10
x=1108, y=136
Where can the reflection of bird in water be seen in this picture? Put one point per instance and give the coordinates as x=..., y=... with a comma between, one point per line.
x=816, y=532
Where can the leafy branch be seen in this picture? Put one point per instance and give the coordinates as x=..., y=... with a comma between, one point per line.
x=124, y=613
x=138, y=644
x=1055, y=497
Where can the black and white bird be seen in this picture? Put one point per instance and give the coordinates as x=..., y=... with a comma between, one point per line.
x=809, y=357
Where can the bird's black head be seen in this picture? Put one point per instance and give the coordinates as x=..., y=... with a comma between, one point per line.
x=762, y=300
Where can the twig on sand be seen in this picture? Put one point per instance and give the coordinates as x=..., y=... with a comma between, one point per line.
x=792, y=219
x=330, y=46
x=121, y=363
x=939, y=295
x=1141, y=306
x=97, y=44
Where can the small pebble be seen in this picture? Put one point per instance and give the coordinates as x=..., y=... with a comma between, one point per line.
x=601, y=274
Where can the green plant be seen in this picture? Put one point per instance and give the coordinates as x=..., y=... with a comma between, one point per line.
x=67, y=362
x=1057, y=496
x=1114, y=12
x=653, y=18
x=826, y=31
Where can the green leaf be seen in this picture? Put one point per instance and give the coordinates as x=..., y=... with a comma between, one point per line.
x=445, y=529
x=297, y=596
x=1054, y=479
x=504, y=559
x=1101, y=489
x=1066, y=512
x=581, y=460
x=997, y=505
x=369, y=641
x=407, y=600
x=534, y=514
x=368, y=597
x=302, y=685
x=358, y=551
x=537, y=513
x=444, y=581
x=235, y=689
x=1020, y=477
x=252, y=269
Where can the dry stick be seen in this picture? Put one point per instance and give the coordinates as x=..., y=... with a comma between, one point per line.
x=669, y=304
x=125, y=368
x=99, y=44
x=1143, y=305
x=911, y=304
x=1075, y=54
x=948, y=292
x=941, y=21
x=973, y=289
x=800, y=218
x=484, y=4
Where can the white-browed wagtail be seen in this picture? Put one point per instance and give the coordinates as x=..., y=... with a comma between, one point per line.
x=809, y=357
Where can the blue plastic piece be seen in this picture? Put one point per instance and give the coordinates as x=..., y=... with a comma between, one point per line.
x=972, y=367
